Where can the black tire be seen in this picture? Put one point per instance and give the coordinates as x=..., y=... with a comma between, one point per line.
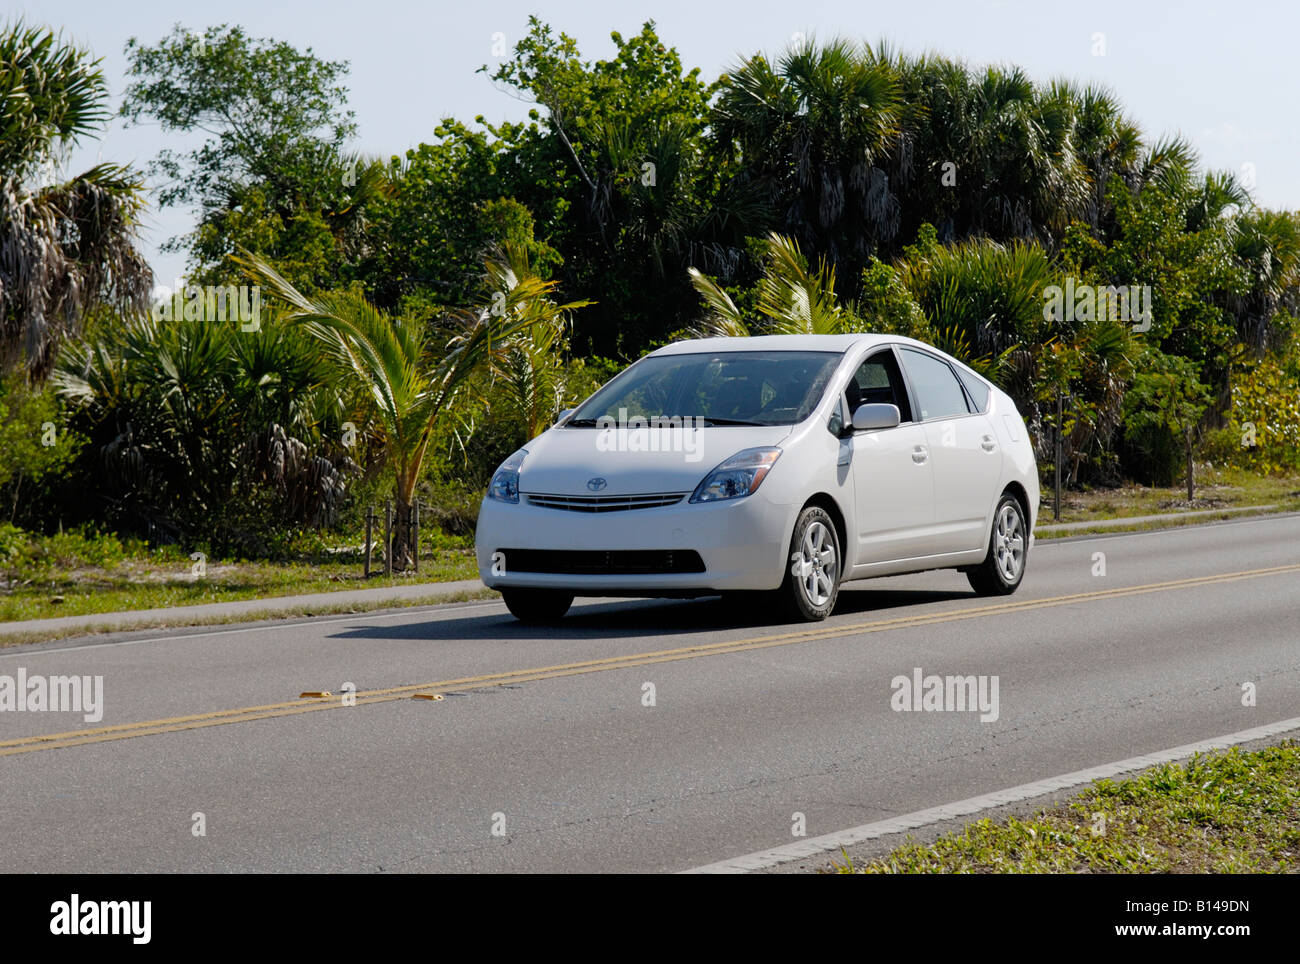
x=812, y=576
x=537, y=605
x=1004, y=566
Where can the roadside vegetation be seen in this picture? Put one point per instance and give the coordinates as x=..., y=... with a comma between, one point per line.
x=73, y=574
x=1232, y=490
x=357, y=330
x=1222, y=813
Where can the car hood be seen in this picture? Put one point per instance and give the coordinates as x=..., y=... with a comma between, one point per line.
x=562, y=461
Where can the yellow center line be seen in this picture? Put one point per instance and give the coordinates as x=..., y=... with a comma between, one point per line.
x=194, y=721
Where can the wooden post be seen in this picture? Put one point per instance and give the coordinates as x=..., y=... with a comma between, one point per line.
x=415, y=532
x=1060, y=447
x=388, y=538
x=370, y=521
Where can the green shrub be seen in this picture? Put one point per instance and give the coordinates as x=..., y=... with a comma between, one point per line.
x=1266, y=416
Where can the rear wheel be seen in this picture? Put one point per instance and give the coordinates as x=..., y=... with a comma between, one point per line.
x=537, y=605
x=1004, y=566
x=812, y=576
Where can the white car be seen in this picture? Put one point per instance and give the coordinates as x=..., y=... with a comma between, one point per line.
x=785, y=463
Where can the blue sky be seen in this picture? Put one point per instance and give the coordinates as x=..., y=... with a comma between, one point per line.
x=1223, y=75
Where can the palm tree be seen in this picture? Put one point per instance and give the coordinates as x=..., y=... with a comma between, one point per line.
x=188, y=419
x=528, y=367
x=1267, y=245
x=1106, y=143
x=813, y=130
x=66, y=245
x=792, y=298
x=411, y=379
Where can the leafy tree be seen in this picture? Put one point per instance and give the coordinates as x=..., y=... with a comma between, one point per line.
x=887, y=306
x=448, y=203
x=67, y=245
x=1265, y=415
x=1167, y=394
x=621, y=143
x=1187, y=265
x=271, y=175
x=36, y=443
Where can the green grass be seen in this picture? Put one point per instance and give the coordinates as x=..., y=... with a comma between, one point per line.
x=1217, y=488
x=142, y=582
x=1229, y=812
x=294, y=612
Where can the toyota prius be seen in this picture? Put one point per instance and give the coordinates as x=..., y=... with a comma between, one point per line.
x=785, y=465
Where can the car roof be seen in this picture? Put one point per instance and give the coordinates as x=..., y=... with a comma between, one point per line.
x=836, y=343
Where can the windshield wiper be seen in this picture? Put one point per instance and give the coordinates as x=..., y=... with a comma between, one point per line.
x=684, y=420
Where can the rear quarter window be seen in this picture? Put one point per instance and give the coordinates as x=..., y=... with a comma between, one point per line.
x=979, y=392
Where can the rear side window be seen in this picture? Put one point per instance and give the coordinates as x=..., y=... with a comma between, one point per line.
x=979, y=392
x=938, y=393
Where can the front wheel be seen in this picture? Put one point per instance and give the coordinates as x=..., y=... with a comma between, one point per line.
x=812, y=576
x=1004, y=566
x=537, y=605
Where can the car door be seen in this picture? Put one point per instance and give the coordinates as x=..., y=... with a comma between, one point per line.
x=964, y=452
x=892, y=477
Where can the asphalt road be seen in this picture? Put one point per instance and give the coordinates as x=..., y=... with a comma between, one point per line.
x=751, y=723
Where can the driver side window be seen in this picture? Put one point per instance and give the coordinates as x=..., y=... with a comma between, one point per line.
x=879, y=381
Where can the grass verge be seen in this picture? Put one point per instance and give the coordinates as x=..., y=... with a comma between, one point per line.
x=1226, y=812
x=1217, y=488
x=142, y=583
x=44, y=636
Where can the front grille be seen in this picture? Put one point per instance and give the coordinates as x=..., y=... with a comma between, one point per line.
x=598, y=562
x=606, y=503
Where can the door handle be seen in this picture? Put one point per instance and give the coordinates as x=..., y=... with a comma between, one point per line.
x=920, y=454
x=988, y=443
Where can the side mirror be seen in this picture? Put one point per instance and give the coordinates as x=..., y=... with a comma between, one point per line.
x=873, y=416
x=565, y=413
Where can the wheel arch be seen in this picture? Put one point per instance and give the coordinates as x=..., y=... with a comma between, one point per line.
x=825, y=500
x=1018, y=490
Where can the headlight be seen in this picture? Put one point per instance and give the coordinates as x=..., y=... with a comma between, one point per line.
x=504, y=486
x=739, y=476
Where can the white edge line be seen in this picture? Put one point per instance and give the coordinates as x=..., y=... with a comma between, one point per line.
x=815, y=846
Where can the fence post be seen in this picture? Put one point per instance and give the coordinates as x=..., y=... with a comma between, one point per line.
x=388, y=537
x=415, y=534
x=1056, y=504
x=370, y=521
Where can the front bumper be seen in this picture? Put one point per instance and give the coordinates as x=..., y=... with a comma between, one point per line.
x=742, y=543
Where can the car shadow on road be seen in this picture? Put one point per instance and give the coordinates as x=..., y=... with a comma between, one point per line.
x=650, y=617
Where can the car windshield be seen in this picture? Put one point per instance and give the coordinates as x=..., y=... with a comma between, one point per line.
x=723, y=388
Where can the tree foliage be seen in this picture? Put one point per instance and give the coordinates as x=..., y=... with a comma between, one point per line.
x=67, y=244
